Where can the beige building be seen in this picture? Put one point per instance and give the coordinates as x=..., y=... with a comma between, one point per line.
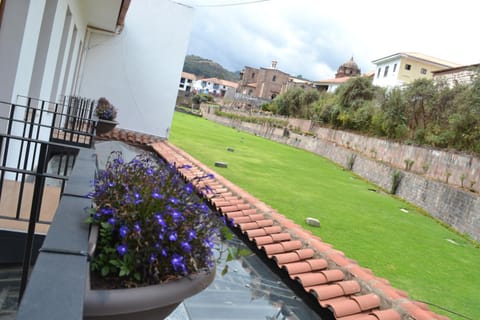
x=405, y=67
x=264, y=83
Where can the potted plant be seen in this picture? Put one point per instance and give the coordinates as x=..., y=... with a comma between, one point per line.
x=155, y=240
x=106, y=114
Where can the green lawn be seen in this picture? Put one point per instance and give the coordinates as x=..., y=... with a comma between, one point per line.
x=412, y=251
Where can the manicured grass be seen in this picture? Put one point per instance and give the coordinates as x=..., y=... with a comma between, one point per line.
x=411, y=250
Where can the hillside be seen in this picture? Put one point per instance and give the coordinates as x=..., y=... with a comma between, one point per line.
x=205, y=68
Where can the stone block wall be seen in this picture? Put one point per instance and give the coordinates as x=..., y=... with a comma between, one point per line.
x=454, y=206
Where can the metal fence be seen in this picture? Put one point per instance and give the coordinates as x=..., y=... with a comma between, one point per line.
x=39, y=142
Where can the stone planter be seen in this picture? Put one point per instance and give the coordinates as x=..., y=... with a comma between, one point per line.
x=104, y=126
x=153, y=302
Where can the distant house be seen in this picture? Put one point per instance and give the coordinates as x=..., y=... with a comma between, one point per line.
x=265, y=83
x=458, y=75
x=214, y=86
x=330, y=85
x=405, y=67
x=186, y=81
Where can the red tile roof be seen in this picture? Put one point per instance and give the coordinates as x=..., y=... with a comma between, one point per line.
x=338, y=283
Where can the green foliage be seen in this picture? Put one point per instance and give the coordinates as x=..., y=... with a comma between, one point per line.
x=355, y=92
x=205, y=68
x=396, y=178
x=274, y=122
x=202, y=98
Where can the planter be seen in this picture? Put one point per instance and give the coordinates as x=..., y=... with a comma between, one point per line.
x=153, y=302
x=104, y=126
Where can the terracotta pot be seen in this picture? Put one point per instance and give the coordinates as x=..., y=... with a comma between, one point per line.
x=152, y=302
x=104, y=126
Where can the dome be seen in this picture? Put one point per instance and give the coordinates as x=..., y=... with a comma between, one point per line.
x=348, y=69
x=350, y=64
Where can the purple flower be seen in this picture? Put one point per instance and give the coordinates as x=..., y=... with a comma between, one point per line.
x=138, y=198
x=123, y=231
x=173, y=236
x=160, y=220
x=178, y=264
x=112, y=221
x=122, y=249
x=188, y=188
x=177, y=216
x=157, y=195
x=137, y=227
x=186, y=246
x=152, y=258
x=192, y=235
x=149, y=171
x=173, y=200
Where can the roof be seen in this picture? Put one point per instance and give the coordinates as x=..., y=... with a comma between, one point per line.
x=336, y=282
x=222, y=82
x=461, y=68
x=333, y=81
x=187, y=75
x=419, y=56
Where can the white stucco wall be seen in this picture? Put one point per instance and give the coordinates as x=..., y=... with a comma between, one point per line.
x=139, y=69
x=391, y=80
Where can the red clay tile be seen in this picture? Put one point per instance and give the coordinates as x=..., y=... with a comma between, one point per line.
x=273, y=229
x=305, y=266
x=344, y=307
x=388, y=314
x=284, y=258
x=291, y=245
x=249, y=211
x=255, y=233
x=274, y=248
x=264, y=240
x=326, y=291
x=368, y=301
x=349, y=287
x=317, y=264
x=277, y=237
x=306, y=253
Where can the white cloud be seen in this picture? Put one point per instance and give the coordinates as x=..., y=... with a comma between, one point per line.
x=313, y=38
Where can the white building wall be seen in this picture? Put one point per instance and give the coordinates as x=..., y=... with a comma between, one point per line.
x=391, y=79
x=138, y=70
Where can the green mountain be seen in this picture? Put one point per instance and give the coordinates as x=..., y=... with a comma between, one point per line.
x=205, y=68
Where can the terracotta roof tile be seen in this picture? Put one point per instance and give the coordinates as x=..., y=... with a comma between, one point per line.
x=338, y=283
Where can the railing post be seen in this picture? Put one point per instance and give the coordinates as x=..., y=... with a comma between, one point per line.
x=34, y=215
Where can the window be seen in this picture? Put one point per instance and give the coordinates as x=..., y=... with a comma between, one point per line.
x=274, y=78
x=394, y=67
x=386, y=71
x=253, y=75
x=182, y=80
x=378, y=73
x=408, y=66
x=423, y=71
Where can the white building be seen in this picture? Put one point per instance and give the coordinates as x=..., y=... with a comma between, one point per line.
x=186, y=81
x=55, y=48
x=214, y=86
x=405, y=67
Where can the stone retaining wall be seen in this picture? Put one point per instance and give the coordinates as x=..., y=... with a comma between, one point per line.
x=454, y=206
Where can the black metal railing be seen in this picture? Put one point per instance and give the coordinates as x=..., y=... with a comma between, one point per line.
x=37, y=152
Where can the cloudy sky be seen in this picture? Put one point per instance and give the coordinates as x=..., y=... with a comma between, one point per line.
x=314, y=37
